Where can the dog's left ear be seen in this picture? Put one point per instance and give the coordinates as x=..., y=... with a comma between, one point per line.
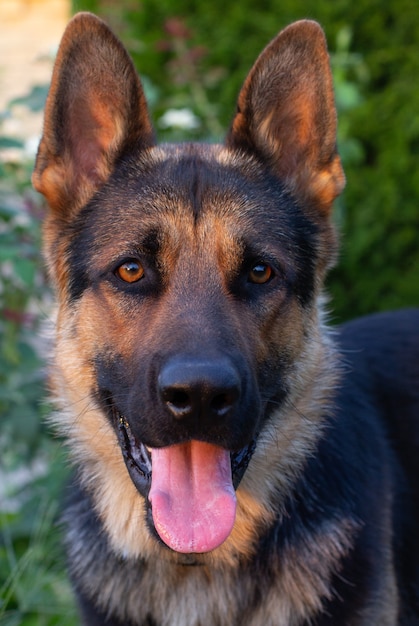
x=286, y=115
x=95, y=112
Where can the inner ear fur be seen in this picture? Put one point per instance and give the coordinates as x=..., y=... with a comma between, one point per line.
x=286, y=115
x=95, y=111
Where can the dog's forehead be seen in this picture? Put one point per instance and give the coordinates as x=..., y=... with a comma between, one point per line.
x=203, y=198
x=176, y=186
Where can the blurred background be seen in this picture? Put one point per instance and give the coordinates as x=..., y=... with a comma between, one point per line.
x=192, y=57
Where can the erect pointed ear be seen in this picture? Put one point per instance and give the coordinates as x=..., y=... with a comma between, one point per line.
x=286, y=115
x=95, y=111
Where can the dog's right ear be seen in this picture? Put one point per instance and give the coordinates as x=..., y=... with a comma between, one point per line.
x=95, y=111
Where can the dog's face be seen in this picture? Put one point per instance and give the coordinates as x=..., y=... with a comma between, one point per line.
x=188, y=279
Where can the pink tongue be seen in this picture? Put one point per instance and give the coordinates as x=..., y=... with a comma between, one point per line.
x=192, y=496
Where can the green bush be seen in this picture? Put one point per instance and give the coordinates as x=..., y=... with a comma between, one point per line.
x=21, y=281
x=33, y=588
x=379, y=267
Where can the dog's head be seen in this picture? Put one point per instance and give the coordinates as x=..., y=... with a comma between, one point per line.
x=187, y=278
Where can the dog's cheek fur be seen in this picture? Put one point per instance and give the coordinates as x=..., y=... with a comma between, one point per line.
x=93, y=443
x=92, y=440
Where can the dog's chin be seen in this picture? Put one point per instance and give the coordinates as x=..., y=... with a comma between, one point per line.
x=137, y=457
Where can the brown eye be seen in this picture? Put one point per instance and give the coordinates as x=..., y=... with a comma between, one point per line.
x=130, y=271
x=260, y=273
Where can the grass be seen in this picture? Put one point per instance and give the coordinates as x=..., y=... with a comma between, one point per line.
x=34, y=589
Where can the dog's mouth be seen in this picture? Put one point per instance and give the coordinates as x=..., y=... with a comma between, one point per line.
x=189, y=486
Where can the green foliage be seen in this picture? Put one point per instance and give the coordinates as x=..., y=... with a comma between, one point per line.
x=21, y=289
x=379, y=268
x=33, y=588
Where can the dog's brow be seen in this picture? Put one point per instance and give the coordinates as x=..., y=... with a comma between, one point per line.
x=150, y=242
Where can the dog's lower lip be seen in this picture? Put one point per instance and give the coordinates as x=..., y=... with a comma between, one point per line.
x=239, y=462
x=139, y=463
x=137, y=457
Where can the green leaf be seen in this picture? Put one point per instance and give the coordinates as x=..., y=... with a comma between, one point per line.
x=25, y=270
x=35, y=99
x=10, y=142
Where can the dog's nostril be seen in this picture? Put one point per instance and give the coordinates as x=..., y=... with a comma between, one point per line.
x=179, y=398
x=178, y=401
x=222, y=403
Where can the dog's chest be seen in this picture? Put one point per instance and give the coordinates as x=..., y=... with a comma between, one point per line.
x=198, y=599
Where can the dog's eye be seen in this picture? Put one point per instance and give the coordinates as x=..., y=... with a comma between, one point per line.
x=130, y=271
x=260, y=273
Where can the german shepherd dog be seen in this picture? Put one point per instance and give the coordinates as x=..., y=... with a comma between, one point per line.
x=238, y=463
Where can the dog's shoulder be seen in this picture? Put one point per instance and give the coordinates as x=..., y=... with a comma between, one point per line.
x=379, y=400
x=381, y=359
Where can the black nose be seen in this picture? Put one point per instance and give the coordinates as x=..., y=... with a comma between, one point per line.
x=191, y=387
